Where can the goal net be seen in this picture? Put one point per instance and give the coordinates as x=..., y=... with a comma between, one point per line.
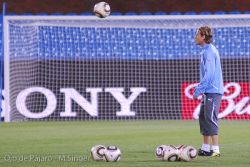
x=119, y=68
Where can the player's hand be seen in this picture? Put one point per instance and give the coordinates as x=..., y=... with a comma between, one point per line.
x=198, y=97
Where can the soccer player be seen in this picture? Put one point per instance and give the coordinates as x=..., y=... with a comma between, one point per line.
x=211, y=89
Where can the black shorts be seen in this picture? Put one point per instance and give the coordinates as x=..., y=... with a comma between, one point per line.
x=209, y=111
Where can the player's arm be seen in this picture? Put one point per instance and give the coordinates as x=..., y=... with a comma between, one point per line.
x=209, y=68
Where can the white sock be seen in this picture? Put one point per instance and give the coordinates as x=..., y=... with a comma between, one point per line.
x=205, y=147
x=215, y=149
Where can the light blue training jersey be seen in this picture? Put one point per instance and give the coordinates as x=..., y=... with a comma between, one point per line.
x=211, y=80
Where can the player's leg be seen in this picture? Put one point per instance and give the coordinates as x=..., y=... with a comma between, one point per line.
x=205, y=148
x=215, y=145
x=206, y=141
x=215, y=139
x=212, y=104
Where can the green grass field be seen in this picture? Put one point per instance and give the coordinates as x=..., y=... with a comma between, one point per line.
x=31, y=144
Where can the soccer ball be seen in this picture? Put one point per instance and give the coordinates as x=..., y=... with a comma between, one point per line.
x=179, y=150
x=112, y=154
x=102, y=9
x=170, y=154
x=97, y=152
x=159, y=152
x=188, y=153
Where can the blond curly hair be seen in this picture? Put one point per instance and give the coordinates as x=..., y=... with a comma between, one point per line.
x=207, y=32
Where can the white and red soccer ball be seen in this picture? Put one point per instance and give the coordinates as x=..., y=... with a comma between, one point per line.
x=175, y=153
x=188, y=153
x=102, y=9
x=166, y=153
x=103, y=153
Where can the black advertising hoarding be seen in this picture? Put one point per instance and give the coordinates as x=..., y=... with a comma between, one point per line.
x=107, y=90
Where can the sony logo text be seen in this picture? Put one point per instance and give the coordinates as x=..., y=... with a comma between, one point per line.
x=70, y=94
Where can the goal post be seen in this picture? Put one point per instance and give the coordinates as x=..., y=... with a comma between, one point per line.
x=119, y=68
x=1, y=61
